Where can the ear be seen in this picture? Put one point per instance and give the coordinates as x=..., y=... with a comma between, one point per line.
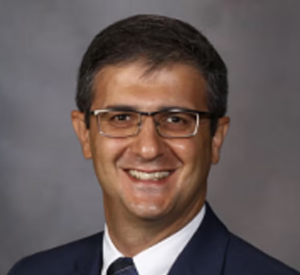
x=218, y=138
x=82, y=133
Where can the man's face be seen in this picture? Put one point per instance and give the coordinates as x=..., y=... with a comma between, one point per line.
x=186, y=161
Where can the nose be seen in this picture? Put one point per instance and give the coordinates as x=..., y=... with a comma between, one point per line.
x=148, y=144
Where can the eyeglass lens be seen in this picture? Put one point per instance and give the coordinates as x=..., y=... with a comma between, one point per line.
x=127, y=123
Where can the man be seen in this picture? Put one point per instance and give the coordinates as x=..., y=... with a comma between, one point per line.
x=152, y=95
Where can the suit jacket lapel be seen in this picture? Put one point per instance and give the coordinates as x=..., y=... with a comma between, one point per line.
x=205, y=252
x=90, y=263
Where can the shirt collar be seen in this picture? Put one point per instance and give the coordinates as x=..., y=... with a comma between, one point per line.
x=171, y=246
x=110, y=252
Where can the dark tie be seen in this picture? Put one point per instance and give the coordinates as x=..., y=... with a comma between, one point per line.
x=122, y=266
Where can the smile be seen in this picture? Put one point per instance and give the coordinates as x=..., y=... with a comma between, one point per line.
x=149, y=176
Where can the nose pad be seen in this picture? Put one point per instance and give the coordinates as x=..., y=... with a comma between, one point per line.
x=156, y=125
x=148, y=144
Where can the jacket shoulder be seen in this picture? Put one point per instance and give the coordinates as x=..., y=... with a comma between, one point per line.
x=59, y=259
x=246, y=259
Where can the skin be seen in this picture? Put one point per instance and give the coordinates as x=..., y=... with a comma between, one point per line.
x=140, y=213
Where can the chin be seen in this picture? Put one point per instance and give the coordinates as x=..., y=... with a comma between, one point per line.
x=147, y=211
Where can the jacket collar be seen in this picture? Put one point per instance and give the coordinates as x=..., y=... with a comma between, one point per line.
x=205, y=253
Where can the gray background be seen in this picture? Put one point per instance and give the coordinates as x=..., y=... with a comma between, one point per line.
x=48, y=192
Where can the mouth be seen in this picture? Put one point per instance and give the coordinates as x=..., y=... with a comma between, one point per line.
x=149, y=176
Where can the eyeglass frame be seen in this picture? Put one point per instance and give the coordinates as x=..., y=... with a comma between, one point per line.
x=152, y=114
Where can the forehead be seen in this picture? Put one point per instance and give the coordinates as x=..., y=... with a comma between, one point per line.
x=135, y=85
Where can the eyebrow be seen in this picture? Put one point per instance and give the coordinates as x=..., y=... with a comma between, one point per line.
x=135, y=108
x=122, y=107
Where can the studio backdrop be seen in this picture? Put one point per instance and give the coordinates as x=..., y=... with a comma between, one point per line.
x=48, y=192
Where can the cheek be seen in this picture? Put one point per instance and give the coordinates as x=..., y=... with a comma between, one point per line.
x=106, y=152
x=195, y=154
x=107, y=148
x=192, y=150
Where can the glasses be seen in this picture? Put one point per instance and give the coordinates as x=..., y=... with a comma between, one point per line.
x=171, y=123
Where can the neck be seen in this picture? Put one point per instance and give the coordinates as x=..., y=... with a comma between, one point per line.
x=132, y=235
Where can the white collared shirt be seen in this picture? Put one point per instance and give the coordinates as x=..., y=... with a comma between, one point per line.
x=171, y=246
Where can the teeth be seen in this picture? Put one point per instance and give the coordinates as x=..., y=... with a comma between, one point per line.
x=149, y=176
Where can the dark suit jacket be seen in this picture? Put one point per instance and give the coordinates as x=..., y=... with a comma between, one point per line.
x=213, y=250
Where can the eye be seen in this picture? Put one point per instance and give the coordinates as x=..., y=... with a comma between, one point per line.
x=121, y=117
x=175, y=119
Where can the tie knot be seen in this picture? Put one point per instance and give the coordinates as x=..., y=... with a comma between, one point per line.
x=122, y=266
